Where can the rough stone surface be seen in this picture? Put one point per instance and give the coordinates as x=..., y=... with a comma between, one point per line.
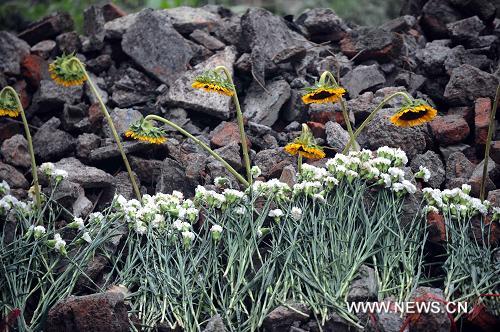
x=433, y=162
x=493, y=176
x=15, y=151
x=458, y=167
x=51, y=95
x=122, y=119
x=187, y=19
x=96, y=312
x=183, y=95
x=465, y=30
x=382, y=132
x=364, y=286
x=283, y=317
x=156, y=46
x=47, y=28
x=362, y=78
x=449, y=129
x=173, y=177
x=86, y=143
x=272, y=161
x=468, y=83
x=13, y=177
x=482, y=111
x=336, y=136
x=87, y=176
x=264, y=107
x=435, y=15
x=51, y=143
x=438, y=322
x=372, y=43
x=224, y=134
x=12, y=52
x=322, y=24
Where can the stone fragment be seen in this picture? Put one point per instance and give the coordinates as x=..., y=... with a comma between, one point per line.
x=224, y=134
x=93, y=27
x=51, y=95
x=361, y=79
x=449, y=129
x=364, y=287
x=114, y=29
x=369, y=43
x=482, y=111
x=51, y=143
x=87, y=176
x=132, y=88
x=493, y=177
x=47, y=28
x=15, y=151
x=468, y=83
x=430, y=321
x=272, y=162
x=435, y=15
x=322, y=24
x=433, y=163
x=44, y=48
x=432, y=58
x=263, y=107
x=86, y=143
x=336, y=136
x=206, y=40
x=13, y=177
x=68, y=42
x=459, y=56
x=153, y=43
x=122, y=119
x=12, y=52
x=458, y=167
x=283, y=317
x=187, y=19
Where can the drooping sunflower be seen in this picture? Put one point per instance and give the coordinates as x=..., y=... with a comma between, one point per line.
x=305, y=145
x=212, y=81
x=145, y=131
x=67, y=70
x=323, y=93
x=8, y=104
x=414, y=114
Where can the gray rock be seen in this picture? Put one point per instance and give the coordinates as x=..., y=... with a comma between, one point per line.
x=173, y=177
x=133, y=88
x=13, y=177
x=493, y=177
x=231, y=154
x=66, y=193
x=494, y=197
x=51, y=95
x=86, y=143
x=282, y=317
x=390, y=321
x=206, y=40
x=260, y=29
x=431, y=58
x=264, y=107
x=12, y=52
x=107, y=311
x=187, y=19
x=100, y=86
x=459, y=56
x=485, y=9
x=400, y=24
x=468, y=83
x=336, y=136
x=51, y=143
x=364, y=287
x=382, y=132
x=322, y=24
x=82, y=207
x=183, y=95
x=44, y=48
x=110, y=150
x=116, y=28
x=458, y=166
x=433, y=162
x=362, y=78
x=439, y=322
x=148, y=170
x=122, y=118
x=69, y=42
x=273, y=161
x=87, y=176
x=215, y=324
x=15, y=151
x=435, y=15
x=93, y=27
x=465, y=30
x=73, y=115
x=289, y=175
x=100, y=63
x=47, y=28
x=411, y=81
x=124, y=186
x=153, y=43
x=446, y=151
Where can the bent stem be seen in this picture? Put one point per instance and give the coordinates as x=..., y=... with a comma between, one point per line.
x=200, y=143
x=488, y=145
x=322, y=80
x=372, y=115
x=113, y=130
x=241, y=125
x=31, y=151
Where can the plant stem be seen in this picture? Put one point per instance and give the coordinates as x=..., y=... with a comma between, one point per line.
x=31, y=151
x=241, y=125
x=372, y=115
x=200, y=143
x=299, y=164
x=488, y=144
x=113, y=130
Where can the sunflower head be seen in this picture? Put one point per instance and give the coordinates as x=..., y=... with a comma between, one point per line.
x=323, y=93
x=67, y=70
x=213, y=81
x=144, y=130
x=305, y=145
x=9, y=105
x=414, y=113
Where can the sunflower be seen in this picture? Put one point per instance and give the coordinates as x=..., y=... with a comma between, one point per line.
x=8, y=104
x=67, y=70
x=323, y=93
x=413, y=114
x=212, y=81
x=144, y=130
x=305, y=145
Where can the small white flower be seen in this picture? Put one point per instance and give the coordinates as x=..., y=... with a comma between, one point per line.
x=59, y=174
x=319, y=198
x=96, y=217
x=255, y=171
x=409, y=187
x=466, y=188
x=77, y=224
x=216, y=231
x=276, y=214
x=86, y=237
x=221, y=181
x=296, y=213
x=4, y=188
x=429, y=208
x=178, y=194
x=423, y=173
x=58, y=244
x=38, y=231
x=240, y=210
x=47, y=168
x=187, y=238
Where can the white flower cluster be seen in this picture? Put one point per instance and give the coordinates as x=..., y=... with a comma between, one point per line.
x=160, y=212
x=4, y=188
x=52, y=172
x=213, y=199
x=9, y=202
x=273, y=188
x=456, y=202
x=423, y=173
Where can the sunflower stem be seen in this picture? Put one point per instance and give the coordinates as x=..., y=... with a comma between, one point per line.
x=113, y=129
x=34, y=173
x=299, y=164
x=241, y=125
x=482, y=192
x=372, y=115
x=200, y=143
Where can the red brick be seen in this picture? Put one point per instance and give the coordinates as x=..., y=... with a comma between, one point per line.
x=449, y=129
x=95, y=114
x=24, y=96
x=226, y=134
x=32, y=68
x=437, y=227
x=317, y=128
x=482, y=109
